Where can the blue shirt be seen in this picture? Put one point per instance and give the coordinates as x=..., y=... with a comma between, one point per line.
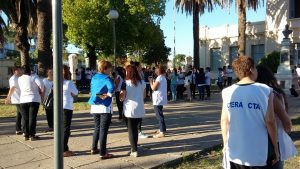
x=101, y=84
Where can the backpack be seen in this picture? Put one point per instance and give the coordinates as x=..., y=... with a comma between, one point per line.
x=48, y=101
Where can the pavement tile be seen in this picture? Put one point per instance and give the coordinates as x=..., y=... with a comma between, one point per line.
x=42, y=164
x=6, y=140
x=110, y=164
x=12, y=148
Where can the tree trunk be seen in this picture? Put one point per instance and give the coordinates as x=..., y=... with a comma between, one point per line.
x=92, y=56
x=22, y=44
x=196, y=11
x=242, y=27
x=44, y=15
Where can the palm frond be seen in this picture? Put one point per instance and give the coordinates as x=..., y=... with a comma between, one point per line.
x=188, y=6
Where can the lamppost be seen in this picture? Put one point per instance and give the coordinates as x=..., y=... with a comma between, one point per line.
x=113, y=16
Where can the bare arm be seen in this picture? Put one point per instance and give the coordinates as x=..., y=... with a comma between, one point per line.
x=122, y=95
x=281, y=113
x=271, y=126
x=10, y=93
x=154, y=85
x=224, y=125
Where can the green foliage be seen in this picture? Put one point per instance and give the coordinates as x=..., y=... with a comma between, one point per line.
x=137, y=27
x=178, y=59
x=271, y=60
x=157, y=54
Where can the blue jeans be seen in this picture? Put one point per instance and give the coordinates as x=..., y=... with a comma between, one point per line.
x=174, y=91
x=201, y=90
x=102, y=122
x=160, y=117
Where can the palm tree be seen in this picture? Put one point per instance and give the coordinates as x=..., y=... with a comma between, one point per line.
x=44, y=26
x=2, y=29
x=242, y=19
x=22, y=17
x=195, y=8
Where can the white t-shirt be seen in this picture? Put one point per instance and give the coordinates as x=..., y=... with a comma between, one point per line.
x=247, y=132
x=134, y=101
x=229, y=73
x=188, y=80
x=98, y=109
x=120, y=84
x=69, y=88
x=207, y=78
x=13, y=82
x=47, y=86
x=159, y=96
x=298, y=71
x=30, y=87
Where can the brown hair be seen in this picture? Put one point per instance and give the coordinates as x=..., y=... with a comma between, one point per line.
x=242, y=66
x=66, y=72
x=103, y=65
x=133, y=74
x=161, y=69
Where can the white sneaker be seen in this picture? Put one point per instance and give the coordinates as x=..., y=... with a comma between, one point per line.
x=142, y=135
x=134, y=154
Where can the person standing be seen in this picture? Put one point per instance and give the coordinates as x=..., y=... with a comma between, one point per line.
x=187, y=85
x=118, y=83
x=174, y=79
x=283, y=122
x=69, y=92
x=193, y=82
x=229, y=73
x=159, y=96
x=200, y=81
x=133, y=94
x=13, y=97
x=207, y=81
x=30, y=98
x=48, y=85
x=220, y=79
x=224, y=76
x=248, y=122
x=180, y=84
x=78, y=79
x=102, y=88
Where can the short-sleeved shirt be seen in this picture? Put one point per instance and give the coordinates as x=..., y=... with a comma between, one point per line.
x=207, y=78
x=134, y=101
x=47, y=86
x=69, y=88
x=159, y=96
x=13, y=82
x=30, y=88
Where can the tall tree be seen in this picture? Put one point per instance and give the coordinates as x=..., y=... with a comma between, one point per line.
x=242, y=19
x=22, y=17
x=44, y=16
x=195, y=8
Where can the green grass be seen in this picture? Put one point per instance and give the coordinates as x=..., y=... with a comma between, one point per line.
x=213, y=159
x=10, y=110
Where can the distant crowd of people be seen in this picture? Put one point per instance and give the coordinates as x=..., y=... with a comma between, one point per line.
x=254, y=121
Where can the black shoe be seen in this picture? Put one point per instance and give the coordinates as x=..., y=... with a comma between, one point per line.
x=19, y=132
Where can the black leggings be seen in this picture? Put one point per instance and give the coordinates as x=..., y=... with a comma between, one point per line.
x=29, y=113
x=133, y=125
x=67, y=127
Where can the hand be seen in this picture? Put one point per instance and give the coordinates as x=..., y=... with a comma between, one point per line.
x=287, y=126
x=150, y=79
x=276, y=157
x=8, y=100
x=103, y=96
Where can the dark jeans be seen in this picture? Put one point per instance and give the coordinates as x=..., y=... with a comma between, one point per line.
x=160, y=117
x=201, y=90
x=119, y=105
x=133, y=125
x=237, y=166
x=229, y=81
x=180, y=90
x=140, y=125
x=67, y=127
x=29, y=112
x=49, y=115
x=220, y=85
x=102, y=122
x=19, y=119
x=193, y=89
x=207, y=88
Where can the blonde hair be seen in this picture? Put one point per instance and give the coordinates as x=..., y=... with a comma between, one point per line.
x=103, y=65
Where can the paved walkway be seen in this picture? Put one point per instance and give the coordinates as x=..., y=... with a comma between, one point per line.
x=192, y=127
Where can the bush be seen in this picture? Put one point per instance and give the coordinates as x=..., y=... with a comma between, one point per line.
x=271, y=61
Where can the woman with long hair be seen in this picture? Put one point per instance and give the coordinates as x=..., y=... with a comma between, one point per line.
x=133, y=94
x=69, y=92
x=102, y=88
x=284, y=124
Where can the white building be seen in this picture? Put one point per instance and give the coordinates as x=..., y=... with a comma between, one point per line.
x=218, y=46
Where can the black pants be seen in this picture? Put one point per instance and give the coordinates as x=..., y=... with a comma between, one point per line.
x=133, y=125
x=49, y=116
x=237, y=166
x=229, y=82
x=67, y=127
x=119, y=105
x=160, y=117
x=19, y=119
x=180, y=90
x=207, y=88
x=193, y=89
x=29, y=113
x=220, y=85
x=140, y=125
x=102, y=122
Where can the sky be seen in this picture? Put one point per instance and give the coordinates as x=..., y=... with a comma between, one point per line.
x=184, y=24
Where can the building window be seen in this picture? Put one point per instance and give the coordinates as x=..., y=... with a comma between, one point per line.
x=233, y=53
x=294, y=9
x=257, y=52
x=215, y=55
